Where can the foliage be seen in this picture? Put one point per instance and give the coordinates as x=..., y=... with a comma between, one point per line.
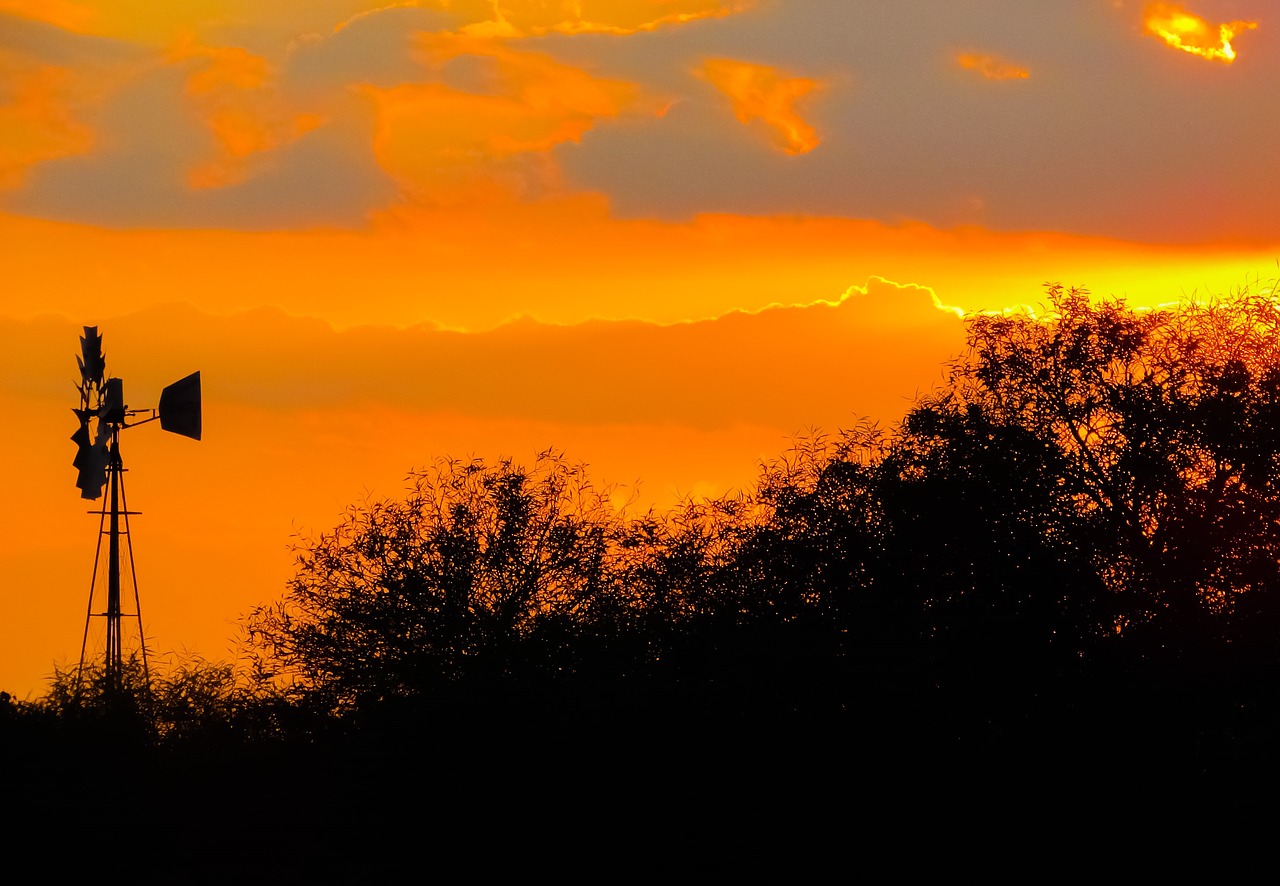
x=1160, y=430
x=481, y=569
x=1090, y=480
x=180, y=701
x=89, y=694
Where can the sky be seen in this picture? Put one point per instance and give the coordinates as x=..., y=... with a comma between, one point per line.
x=666, y=237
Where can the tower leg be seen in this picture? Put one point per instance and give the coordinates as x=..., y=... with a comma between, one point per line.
x=114, y=663
x=113, y=523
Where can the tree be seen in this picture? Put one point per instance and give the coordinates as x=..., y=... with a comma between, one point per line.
x=482, y=571
x=1144, y=445
x=1091, y=480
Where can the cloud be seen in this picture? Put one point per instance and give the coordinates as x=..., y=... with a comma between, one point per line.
x=506, y=18
x=153, y=137
x=452, y=119
x=991, y=67
x=1069, y=150
x=61, y=13
x=234, y=91
x=377, y=48
x=38, y=119
x=52, y=85
x=98, y=130
x=465, y=116
x=562, y=261
x=764, y=93
x=1187, y=31
x=455, y=143
x=865, y=354
x=575, y=104
x=159, y=25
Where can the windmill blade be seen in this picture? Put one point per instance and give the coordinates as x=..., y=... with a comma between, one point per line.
x=90, y=462
x=92, y=362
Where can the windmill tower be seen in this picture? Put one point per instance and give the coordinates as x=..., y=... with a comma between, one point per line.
x=103, y=414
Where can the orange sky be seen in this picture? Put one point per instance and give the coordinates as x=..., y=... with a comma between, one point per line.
x=662, y=235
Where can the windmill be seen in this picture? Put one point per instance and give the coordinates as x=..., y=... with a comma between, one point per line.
x=103, y=414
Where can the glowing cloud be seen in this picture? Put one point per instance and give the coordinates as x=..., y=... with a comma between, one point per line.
x=61, y=13
x=761, y=92
x=37, y=118
x=235, y=93
x=1189, y=32
x=513, y=18
x=991, y=67
x=438, y=139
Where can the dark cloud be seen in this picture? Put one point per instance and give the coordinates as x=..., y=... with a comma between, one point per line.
x=376, y=49
x=148, y=141
x=148, y=137
x=1112, y=134
x=56, y=46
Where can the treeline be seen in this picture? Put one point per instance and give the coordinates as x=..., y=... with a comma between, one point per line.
x=1072, y=547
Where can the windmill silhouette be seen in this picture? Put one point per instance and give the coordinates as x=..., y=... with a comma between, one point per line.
x=103, y=414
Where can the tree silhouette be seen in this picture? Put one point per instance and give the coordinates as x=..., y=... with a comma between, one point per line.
x=482, y=571
x=1092, y=493
x=1159, y=430
x=1091, y=480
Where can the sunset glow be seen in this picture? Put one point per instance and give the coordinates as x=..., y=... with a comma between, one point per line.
x=1189, y=32
x=665, y=236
